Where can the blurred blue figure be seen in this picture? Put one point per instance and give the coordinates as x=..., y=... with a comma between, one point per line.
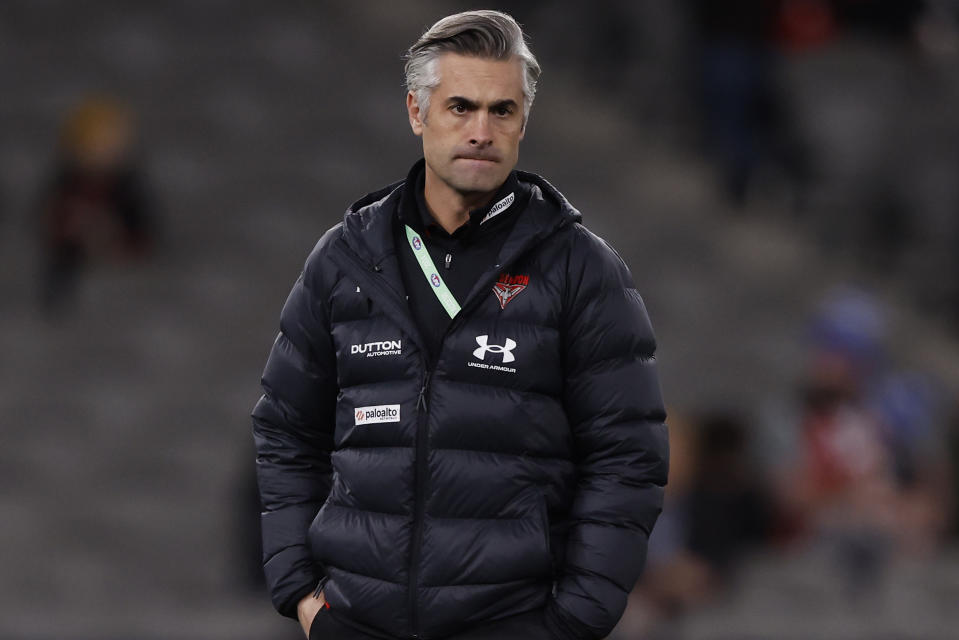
x=865, y=477
x=736, y=84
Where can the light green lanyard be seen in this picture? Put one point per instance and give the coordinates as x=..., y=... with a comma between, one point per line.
x=432, y=274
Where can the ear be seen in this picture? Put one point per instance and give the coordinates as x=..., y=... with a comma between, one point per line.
x=413, y=110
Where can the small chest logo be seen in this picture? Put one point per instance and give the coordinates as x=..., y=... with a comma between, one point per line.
x=505, y=350
x=508, y=287
x=499, y=207
x=485, y=347
x=435, y=279
x=377, y=414
x=377, y=349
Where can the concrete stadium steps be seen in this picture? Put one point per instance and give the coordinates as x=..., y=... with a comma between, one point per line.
x=801, y=596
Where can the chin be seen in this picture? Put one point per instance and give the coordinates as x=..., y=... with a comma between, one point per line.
x=478, y=184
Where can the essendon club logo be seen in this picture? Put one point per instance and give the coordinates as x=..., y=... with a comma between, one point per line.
x=507, y=288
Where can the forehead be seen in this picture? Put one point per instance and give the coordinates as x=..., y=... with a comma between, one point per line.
x=479, y=78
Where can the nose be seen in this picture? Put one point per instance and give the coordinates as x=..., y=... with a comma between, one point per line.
x=481, y=134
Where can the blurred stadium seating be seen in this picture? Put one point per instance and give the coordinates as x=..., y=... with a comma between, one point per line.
x=125, y=447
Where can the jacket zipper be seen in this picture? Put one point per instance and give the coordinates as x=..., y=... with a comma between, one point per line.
x=420, y=470
x=420, y=466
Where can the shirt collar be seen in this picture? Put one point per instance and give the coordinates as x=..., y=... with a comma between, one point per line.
x=414, y=211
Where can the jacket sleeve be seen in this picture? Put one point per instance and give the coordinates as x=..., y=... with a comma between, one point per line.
x=616, y=413
x=293, y=432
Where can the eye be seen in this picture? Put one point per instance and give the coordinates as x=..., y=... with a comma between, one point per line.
x=503, y=111
x=459, y=109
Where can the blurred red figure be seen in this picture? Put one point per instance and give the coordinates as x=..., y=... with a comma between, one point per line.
x=866, y=476
x=844, y=463
x=95, y=207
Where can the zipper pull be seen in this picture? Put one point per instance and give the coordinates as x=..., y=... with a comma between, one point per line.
x=449, y=259
x=421, y=401
x=319, y=588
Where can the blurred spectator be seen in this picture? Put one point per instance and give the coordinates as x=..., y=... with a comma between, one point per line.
x=746, y=123
x=716, y=510
x=840, y=485
x=805, y=24
x=727, y=508
x=95, y=207
x=892, y=19
x=866, y=475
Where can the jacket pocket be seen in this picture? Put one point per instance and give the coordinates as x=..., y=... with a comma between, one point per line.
x=319, y=622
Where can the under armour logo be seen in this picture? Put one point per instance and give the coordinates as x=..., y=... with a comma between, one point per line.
x=506, y=350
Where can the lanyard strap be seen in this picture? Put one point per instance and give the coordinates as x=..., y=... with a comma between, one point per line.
x=432, y=274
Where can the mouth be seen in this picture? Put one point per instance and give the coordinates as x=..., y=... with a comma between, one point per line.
x=477, y=159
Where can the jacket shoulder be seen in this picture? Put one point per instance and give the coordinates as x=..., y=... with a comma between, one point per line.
x=593, y=259
x=319, y=270
x=323, y=246
x=375, y=199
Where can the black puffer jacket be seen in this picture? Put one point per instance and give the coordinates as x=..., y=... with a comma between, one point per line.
x=524, y=468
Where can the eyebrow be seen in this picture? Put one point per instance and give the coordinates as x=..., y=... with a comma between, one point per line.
x=470, y=104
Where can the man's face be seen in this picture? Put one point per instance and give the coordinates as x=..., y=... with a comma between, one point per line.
x=472, y=131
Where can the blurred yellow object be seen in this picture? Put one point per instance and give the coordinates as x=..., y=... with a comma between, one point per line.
x=97, y=133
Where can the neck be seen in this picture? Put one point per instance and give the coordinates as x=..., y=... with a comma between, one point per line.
x=449, y=207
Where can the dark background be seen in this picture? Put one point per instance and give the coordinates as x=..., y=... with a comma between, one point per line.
x=781, y=177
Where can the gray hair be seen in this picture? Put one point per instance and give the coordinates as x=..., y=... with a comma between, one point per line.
x=482, y=34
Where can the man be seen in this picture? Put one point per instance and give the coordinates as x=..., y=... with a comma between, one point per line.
x=462, y=432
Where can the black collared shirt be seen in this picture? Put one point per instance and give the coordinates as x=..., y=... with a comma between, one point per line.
x=461, y=257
